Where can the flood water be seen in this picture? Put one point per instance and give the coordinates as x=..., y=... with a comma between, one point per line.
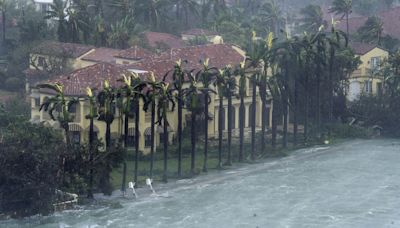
x=352, y=184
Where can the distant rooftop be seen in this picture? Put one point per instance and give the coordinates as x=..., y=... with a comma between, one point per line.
x=199, y=32
x=134, y=53
x=104, y=55
x=93, y=76
x=154, y=39
x=58, y=48
x=360, y=48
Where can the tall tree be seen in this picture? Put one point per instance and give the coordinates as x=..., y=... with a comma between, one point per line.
x=206, y=77
x=178, y=81
x=242, y=94
x=153, y=88
x=194, y=104
x=313, y=18
x=371, y=31
x=166, y=104
x=91, y=116
x=230, y=91
x=57, y=11
x=220, y=83
x=343, y=7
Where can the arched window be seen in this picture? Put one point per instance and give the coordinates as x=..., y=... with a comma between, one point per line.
x=147, y=137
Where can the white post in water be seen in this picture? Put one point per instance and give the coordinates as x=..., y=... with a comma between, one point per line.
x=148, y=183
x=132, y=186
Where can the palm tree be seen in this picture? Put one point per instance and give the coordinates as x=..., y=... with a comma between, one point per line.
x=372, y=30
x=229, y=93
x=105, y=99
x=57, y=12
x=313, y=18
x=166, y=103
x=151, y=95
x=343, y=7
x=256, y=53
x=178, y=78
x=272, y=15
x=220, y=83
x=242, y=95
x=151, y=10
x=137, y=85
x=120, y=33
x=61, y=105
x=3, y=9
x=58, y=103
x=77, y=23
x=206, y=77
x=263, y=84
x=129, y=91
x=188, y=6
x=91, y=116
x=194, y=104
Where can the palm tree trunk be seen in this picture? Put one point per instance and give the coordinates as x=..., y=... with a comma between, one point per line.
x=165, y=128
x=221, y=118
x=263, y=123
x=205, y=131
x=285, y=123
x=126, y=129
x=137, y=120
x=153, y=121
x=108, y=135
x=253, y=122
x=3, y=17
x=91, y=139
x=275, y=116
x=347, y=25
x=193, y=142
x=306, y=108
x=229, y=161
x=180, y=107
x=241, y=128
x=295, y=112
x=319, y=102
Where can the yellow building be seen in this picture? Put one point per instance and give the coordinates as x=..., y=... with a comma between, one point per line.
x=98, y=69
x=366, y=79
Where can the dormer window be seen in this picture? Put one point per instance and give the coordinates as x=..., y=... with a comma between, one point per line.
x=375, y=63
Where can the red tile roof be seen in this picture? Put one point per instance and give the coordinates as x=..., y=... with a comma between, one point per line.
x=58, y=48
x=199, y=32
x=93, y=76
x=192, y=57
x=102, y=55
x=362, y=48
x=154, y=39
x=134, y=53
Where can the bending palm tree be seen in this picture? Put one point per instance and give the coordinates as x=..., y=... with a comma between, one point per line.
x=193, y=103
x=152, y=95
x=220, y=83
x=91, y=116
x=343, y=7
x=178, y=78
x=229, y=93
x=242, y=95
x=166, y=98
x=206, y=78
